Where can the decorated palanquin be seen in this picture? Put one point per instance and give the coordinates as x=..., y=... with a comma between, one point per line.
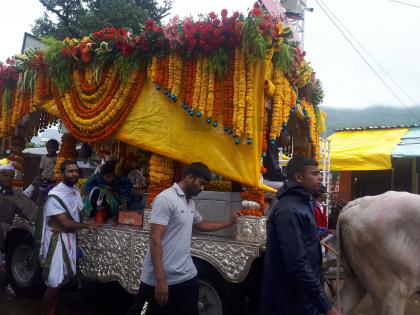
x=214, y=90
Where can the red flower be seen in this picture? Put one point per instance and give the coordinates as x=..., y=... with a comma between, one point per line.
x=158, y=29
x=110, y=36
x=149, y=24
x=188, y=27
x=256, y=5
x=212, y=15
x=268, y=17
x=217, y=32
x=122, y=32
x=192, y=42
x=216, y=22
x=256, y=12
x=235, y=15
x=224, y=13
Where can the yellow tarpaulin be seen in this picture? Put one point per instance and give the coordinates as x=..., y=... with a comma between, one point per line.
x=158, y=125
x=364, y=150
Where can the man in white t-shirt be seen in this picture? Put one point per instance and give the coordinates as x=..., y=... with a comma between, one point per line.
x=169, y=277
x=61, y=222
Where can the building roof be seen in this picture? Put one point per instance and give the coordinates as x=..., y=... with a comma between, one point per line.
x=376, y=127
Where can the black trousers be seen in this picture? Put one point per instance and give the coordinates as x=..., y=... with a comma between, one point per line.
x=183, y=299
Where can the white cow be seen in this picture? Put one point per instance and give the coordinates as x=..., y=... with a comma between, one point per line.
x=380, y=251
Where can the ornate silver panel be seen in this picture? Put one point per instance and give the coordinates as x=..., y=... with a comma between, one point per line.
x=251, y=229
x=146, y=219
x=116, y=253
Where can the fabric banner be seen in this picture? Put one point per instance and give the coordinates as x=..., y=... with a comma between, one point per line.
x=364, y=150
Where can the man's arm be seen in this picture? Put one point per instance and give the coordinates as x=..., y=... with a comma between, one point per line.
x=156, y=234
x=63, y=223
x=210, y=226
x=295, y=257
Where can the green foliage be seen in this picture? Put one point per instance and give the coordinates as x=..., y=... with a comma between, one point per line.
x=253, y=39
x=7, y=98
x=76, y=18
x=283, y=58
x=219, y=62
x=28, y=74
x=59, y=67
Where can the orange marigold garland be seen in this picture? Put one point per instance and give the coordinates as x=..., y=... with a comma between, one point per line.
x=253, y=202
x=99, y=127
x=161, y=172
x=67, y=152
x=217, y=94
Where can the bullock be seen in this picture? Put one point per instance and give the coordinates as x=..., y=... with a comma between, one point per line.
x=379, y=241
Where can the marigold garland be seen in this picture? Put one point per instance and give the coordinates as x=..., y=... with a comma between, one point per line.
x=210, y=97
x=67, y=152
x=249, y=101
x=91, y=128
x=197, y=85
x=161, y=173
x=277, y=106
x=236, y=74
x=254, y=194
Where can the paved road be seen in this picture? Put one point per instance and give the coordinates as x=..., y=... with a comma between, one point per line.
x=111, y=300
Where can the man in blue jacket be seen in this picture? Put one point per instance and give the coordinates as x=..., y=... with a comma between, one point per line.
x=293, y=278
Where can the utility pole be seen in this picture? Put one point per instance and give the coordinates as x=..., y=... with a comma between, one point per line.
x=291, y=12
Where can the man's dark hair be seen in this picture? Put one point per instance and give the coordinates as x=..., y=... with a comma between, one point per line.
x=197, y=169
x=54, y=143
x=64, y=164
x=108, y=167
x=297, y=165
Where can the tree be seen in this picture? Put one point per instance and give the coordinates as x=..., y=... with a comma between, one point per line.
x=76, y=18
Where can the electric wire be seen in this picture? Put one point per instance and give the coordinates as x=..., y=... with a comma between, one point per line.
x=370, y=55
x=367, y=62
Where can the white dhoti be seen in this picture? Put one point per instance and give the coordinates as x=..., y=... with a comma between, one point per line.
x=58, y=250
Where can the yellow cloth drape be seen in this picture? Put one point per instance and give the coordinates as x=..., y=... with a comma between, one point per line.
x=158, y=125
x=363, y=150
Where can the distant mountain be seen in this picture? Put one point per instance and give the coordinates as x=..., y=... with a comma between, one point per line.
x=371, y=116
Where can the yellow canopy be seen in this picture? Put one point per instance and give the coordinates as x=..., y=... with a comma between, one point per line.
x=364, y=150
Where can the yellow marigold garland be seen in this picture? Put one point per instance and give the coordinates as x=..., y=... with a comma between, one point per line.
x=236, y=66
x=276, y=111
x=178, y=66
x=210, y=97
x=197, y=85
x=204, y=87
x=160, y=175
x=249, y=100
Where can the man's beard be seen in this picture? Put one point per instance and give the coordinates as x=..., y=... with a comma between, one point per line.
x=192, y=192
x=70, y=181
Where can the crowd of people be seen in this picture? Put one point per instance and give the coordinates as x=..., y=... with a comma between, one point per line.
x=169, y=280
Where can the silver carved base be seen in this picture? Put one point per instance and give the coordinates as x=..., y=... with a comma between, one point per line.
x=146, y=219
x=251, y=229
x=116, y=253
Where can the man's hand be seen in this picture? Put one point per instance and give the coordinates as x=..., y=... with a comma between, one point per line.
x=235, y=216
x=92, y=226
x=161, y=292
x=334, y=311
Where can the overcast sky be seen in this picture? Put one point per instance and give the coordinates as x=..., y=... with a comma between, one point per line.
x=388, y=30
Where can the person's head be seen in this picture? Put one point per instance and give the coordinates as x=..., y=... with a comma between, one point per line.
x=52, y=146
x=305, y=172
x=195, y=178
x=284, y=138
x=69, y=172
x=108, y=171
x=7, y=173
